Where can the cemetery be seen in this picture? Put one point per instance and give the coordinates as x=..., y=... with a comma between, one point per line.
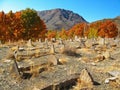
x=57, y=64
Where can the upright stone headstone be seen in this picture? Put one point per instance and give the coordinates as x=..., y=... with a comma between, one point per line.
x=52, y=60
x=46, y=40
x=60, y=41
x=85, y=81
x=52, y=49
x=29, y=43
x=77, y=39
x=39, y=40
x=62, y=48
x=101, y=41
x=46, y=43
x=88, y=43
x=53, y=39
x=15, y=65
x=86, y=77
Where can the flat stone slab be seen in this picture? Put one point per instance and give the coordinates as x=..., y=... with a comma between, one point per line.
x=62, y=83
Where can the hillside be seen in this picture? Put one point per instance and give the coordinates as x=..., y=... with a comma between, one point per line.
x=117, y=21
x=56, y=19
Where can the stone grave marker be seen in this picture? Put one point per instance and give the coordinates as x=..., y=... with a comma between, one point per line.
x=39, y=40
x=52, y=49
x=29, y=43
x=52, y=60
x=101, y=41
x=85, y=81
x=88, y=43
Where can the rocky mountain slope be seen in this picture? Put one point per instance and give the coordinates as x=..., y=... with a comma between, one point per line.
x=56, y=19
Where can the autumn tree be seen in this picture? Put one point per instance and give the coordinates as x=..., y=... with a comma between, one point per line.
x=63, y=34
x=25, y=24
x=77, y=30
x=10, y=22
x=93, y=33
x=51, y=34
x=18, y=27
x=2, y=26
x=108, y=29
x=33, y=25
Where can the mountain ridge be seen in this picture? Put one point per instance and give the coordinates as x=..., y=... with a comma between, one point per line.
x=56, y=19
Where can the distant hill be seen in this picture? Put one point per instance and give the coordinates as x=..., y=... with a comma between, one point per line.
x=56, y=19
x=117, y=21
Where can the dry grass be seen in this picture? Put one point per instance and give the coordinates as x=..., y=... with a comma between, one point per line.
x=70, y=52
x=34, y=70
x=1, y=70
x=115, y=83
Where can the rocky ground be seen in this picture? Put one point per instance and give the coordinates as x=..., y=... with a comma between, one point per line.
x=58, y=65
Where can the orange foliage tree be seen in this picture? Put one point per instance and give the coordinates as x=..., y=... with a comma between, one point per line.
x=51, y=34
x=77, y=30
x=92, y=29
x=21, y=25
x=108, y=29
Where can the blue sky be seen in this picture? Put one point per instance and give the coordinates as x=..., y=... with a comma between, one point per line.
x=91, y=10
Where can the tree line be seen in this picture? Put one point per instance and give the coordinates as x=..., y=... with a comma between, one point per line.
x=26, y=24
x=103, y=28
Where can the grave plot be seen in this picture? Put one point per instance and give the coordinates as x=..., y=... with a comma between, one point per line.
x=60, y=64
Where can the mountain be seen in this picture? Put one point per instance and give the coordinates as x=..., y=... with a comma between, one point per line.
x=56, y=19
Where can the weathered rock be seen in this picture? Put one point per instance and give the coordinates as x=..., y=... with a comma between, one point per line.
x=115, y=80
x=85, y=81
x=35, y=88
x=52, y=60
x=110, y=79
x=106, y=54
x=40, y=40
x=101, y=41
x=99, y=58
x=63, y=60
x=88, y=43
x=53, y=40
x=10, y=55
x=77, y=39
x=15, y=69
x=29, y=43
x=62, y=83
x=15, y=48
x=86, y=77
x=114, y=73
x=60, y=41
x=62, y=49
x=52, y=49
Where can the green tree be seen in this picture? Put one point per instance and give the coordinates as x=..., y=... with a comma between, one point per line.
x=31, y=23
